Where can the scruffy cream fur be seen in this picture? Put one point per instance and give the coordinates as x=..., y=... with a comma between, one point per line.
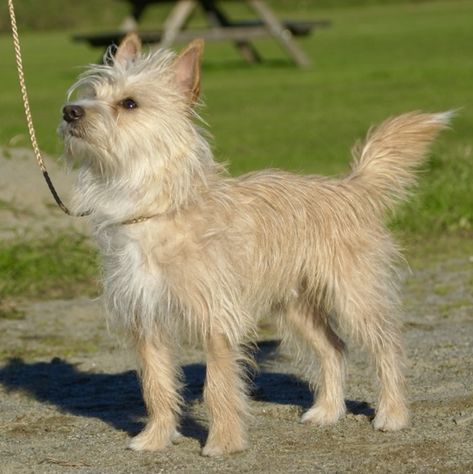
x=214, y=253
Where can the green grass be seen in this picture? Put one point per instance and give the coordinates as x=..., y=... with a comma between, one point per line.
x=53, y=266
x=87, y=14
x=373, y=62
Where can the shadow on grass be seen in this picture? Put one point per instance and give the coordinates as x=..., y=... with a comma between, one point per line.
x=116, y=398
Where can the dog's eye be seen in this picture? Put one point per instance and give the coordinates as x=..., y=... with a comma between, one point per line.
x=128, y=103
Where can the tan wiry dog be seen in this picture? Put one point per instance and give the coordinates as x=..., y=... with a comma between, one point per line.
x=188, y=249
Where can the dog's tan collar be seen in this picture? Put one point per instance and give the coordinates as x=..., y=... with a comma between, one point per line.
x=137, y=220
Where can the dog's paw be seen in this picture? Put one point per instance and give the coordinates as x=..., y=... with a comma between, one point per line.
x=177, y=438
x=321, y=416
x=212, y=449
x=394, y=421
x=154, y=439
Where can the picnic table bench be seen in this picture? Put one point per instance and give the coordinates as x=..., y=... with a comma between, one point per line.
x=220, y=28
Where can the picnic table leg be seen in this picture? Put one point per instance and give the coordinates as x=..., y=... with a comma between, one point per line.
x=130, y=23
x=218, y=18
x=176, y=20
x=280, y=33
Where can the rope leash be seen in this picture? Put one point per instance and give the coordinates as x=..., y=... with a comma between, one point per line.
x=29, y=118
x=31, y=130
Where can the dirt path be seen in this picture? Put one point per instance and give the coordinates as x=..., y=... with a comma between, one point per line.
x=26, y=205
x=70, y=400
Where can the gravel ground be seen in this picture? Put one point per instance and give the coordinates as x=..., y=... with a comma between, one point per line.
x=70, y=400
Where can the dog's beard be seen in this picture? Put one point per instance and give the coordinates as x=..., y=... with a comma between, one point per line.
x=72, y=133
x=76, y=146
x=76, y=131
x=80, y=143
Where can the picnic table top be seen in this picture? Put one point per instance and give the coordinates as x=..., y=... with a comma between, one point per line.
x=220, y=27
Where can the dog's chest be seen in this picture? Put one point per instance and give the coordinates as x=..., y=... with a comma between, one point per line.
x=142, y=256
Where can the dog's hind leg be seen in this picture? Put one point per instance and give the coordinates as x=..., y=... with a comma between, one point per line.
x=160, y=380
x=368, y=309
x=225, y=396
x=313, y=329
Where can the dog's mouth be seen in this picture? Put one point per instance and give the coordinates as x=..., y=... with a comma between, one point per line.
x=74, y=138
x=73, y=130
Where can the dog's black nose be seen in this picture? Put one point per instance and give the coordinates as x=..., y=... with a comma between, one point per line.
x=72, y=113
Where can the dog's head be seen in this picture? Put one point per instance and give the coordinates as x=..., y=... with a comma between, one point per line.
x=130, y=111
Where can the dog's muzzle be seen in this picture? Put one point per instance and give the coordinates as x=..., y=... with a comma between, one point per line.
x=72, y=113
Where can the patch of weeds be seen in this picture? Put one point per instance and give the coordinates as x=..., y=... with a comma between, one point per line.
x=6, y=153
x=425, y=252
x=443, y=202
x=442, y=290
x=55, y=266
x=14, y=209
x=32, y=347
x=11, y=313
x=4, y=205
x=25, y=426
x=453, y=306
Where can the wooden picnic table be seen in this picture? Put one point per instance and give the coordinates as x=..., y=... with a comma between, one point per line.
x=220, y=27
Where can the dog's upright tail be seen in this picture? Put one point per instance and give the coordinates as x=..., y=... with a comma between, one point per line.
x=385, y=163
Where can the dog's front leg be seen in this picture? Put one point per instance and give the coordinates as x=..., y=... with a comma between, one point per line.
x=225, y=396
x=160, y=383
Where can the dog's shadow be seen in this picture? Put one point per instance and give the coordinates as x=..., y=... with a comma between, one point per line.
x=116, y=398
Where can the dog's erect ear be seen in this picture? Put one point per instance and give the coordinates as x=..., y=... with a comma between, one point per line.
x=187, y=69
x=129, y=49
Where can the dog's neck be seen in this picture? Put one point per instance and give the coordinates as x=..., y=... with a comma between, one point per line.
x=165, y=185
